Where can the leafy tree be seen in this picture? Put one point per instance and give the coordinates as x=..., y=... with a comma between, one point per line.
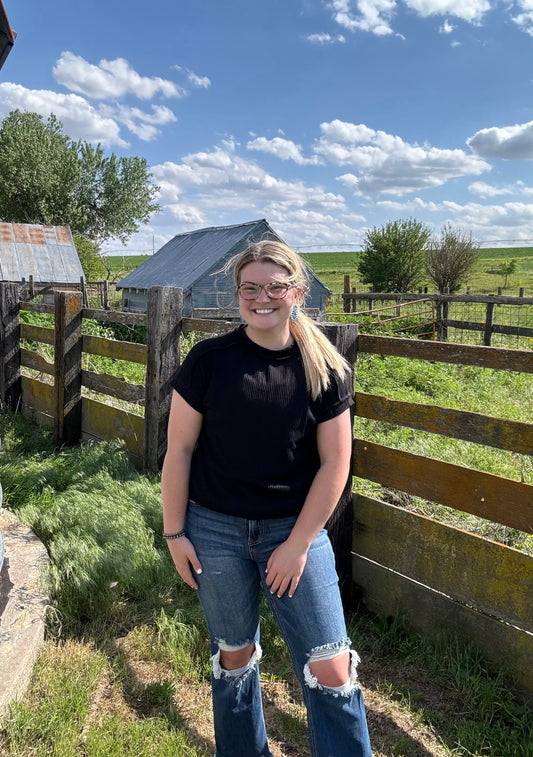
x=393, y=256
x=506, y=269
x=450, y=257
x=48, y=178
x=40, y=170
x=91, y=262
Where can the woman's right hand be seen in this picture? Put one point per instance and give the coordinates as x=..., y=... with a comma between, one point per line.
x=185, y=559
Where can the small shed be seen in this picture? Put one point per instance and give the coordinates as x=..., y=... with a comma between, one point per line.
x=193, y=261
x=45, y=253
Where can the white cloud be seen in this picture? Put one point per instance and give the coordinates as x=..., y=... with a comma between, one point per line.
x=387, y=164
x=284, y=149
x=467, y=10
x=80, y=120
x=377, y=16
x=510, y=142
x=510, y=221
x=307, y=229
x=139, y=122
x=109, y=79
x=325, y=39
x=483, y=190
x=446, y=27
x=203, y=82
x=222, y=179
x=371, y=15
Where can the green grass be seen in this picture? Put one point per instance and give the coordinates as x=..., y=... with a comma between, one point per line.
x=331, y=267
x=503, y=394
x=126, y=668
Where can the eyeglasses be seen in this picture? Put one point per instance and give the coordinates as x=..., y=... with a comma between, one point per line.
x=275, y=290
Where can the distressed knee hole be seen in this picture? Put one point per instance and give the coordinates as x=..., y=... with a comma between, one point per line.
x=330, y=652
x=237, y=675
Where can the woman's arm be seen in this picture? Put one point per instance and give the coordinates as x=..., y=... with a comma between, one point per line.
x=184, y=426
x=286, y=563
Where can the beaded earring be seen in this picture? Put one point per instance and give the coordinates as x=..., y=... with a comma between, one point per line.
x=294, y=313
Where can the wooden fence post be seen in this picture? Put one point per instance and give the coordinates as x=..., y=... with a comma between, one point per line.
x=340, y=523
x=487, y=336
x=163, y=317
x=67, y=367
x=346, y=300
x=442, y=317
x=10, y=382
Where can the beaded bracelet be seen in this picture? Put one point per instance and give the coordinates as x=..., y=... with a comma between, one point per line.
x=177, y=535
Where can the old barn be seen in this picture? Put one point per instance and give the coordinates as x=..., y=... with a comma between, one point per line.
x=193, y=261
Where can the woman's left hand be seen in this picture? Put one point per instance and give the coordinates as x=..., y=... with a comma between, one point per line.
x=284, y=568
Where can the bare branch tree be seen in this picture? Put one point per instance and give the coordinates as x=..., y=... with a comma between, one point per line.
x=450, y=257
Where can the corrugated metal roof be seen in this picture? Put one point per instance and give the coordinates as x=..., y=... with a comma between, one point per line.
x=189, y=256
x=45, y=252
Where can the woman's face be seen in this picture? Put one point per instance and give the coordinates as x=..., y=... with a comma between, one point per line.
x=263, y=313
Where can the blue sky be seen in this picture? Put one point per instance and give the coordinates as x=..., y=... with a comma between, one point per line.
x=326, y=117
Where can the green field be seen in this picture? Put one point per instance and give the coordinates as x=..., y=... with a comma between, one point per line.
x=331, y=267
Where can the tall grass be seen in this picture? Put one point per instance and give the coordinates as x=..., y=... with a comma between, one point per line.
x=99, y=518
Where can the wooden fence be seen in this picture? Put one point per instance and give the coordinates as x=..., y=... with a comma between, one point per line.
x=401, y=563
x=352, y=301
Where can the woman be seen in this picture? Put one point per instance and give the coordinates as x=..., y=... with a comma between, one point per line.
x=259, y=447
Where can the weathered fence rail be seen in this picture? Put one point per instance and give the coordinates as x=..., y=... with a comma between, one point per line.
x=400, y=562
x=353, y=299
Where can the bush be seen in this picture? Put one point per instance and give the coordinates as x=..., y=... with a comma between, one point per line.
x=450, y=257
x=393, y=258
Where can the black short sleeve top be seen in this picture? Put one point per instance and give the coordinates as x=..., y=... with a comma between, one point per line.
x=257, y=454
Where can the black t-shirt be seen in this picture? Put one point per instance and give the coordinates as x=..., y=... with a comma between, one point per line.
x=257, y=454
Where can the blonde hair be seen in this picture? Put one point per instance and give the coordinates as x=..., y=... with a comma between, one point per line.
x=319, y=356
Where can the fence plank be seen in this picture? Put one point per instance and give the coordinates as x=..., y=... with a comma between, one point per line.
x=164, y=317
x=130, y=351
x=105, y=423
x=42, y=334
x=459, y=424
x=409, y=296
x=495, y=498
x=391, y=594
x=67, y=367
x=113, y=385
x=206, y=326
x=495, y=579
x=37, y=307
x=414, y=349
x=32, y=359
x=37, y=395
x=10, y=386
x=115, y=316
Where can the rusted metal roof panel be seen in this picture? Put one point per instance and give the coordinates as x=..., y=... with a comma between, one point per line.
x=45, y=252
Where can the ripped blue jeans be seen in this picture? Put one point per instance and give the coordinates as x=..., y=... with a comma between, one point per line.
x=234, y=552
